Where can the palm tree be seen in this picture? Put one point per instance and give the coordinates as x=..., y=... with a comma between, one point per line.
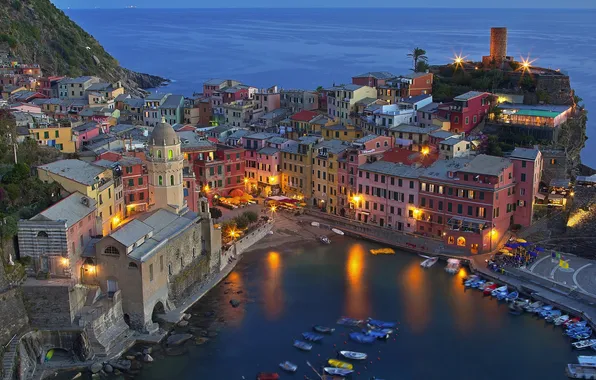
x=418, y=55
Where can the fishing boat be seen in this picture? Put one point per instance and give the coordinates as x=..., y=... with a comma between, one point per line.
x=288, y=366
x=499, y=290
x=583, y=344
x=340, y=364
x=346, y=321
x=338, y=371
x=453, y=266
x=544, y=309
x=471, y=280
x=552, y=315
x=313, y=337
x=579, y=371
x=382, y=251
x=323, y=329
x=562, y=319
x=478, y=284
x=267, y=376
x=302, y=345
x=587, y=360
x=353, y=355
x=515, y=309
x=324, y=239
x=376, y=333
x=362, y=338
x=501, y=296
x=429, y=262
x=49, y=355
x=511, y=296
x=489, y=289
x=380, y=324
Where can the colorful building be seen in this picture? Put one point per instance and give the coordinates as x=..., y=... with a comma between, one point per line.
x=404, y=86
x=527, y=166
x=299, y=100
x=466, y=111
x=239, y=113
x=232, y=157
x=151, y=111
x=341, y=100
x=343, y=132
x=373, y=78
x=59, y=136
x=326, y=155
x=84, y=132
x=297, y=168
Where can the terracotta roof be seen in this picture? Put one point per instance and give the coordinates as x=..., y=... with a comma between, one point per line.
x=304, y=116
x=408, y=157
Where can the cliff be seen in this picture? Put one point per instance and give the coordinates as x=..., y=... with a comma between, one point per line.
x=35, y=31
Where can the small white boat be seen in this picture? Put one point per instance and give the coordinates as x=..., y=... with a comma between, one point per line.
x=562, y=319
x=584, y=344
x=338, y=371
x=533, y=306
x=288, y=366
x=315, y=224
x=353, y=355
x=429, y=262
x=587, y=360
x=453, y=266
x=339, y=232
x=486, y=284
x=500, y=290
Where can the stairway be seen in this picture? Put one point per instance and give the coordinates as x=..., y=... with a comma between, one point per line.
x=9, y=359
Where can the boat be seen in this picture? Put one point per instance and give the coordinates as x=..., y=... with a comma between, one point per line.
x=339, y=364
x=587, y=360
x=313, y=337
x=323, y=329
x=544, y=309
x=471, y=280
x=379, y=334
x=338, y=371
x=49, y=355
x=362, y=338
x=288, y=366
x=315, y=224
x=379, y=329
x=380, y=324
x=302, y=345
x=562, y=319
x=353, y=355
x=382, y=251
x=429, y=262
x=478, y=284
x=267, y=376
x=501, y=296
x=346, y=321
x=339, y=232
x=515, y=309
x=468, y=278
x=571, y=321
x=584, y=344
x=502, y=289
x=488, y=289
x=511, y=296
x=533, y=306
x=453, y=266
x=324, y=239
x=485, y=285
x=580, y=371
x=551, y=315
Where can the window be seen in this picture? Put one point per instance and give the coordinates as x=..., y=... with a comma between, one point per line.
x=423, y=202
x=522, y=191
x=461, y=241
x=460, y=209
x=131, y=197
x=141, y=196
x=467, y=120
x=160, y=181
x=100, y=199
x=132, y=265
x=411, y=184
x=523, y=177
x=158, y=154
x=470, y=210
x=451, y=240
x=524, y=164
x=480, y=212
x=481, y=195
x=411, y=198
x=553, y=161
x=42, y=234
x=131, y=182
x=46, y=135
x=111, y=250
x=56, y=134
x=170, y=154
x=140, y=181
x=171, y=180
x=440, y=205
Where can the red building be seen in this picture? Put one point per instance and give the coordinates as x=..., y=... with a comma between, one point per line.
x=49, y=86
x=233, y=159
x=527, y=164
x=415, y=84
x=466, y=111
x=372, y=79
x=231, y=94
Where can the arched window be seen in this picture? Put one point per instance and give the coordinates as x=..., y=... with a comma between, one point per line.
x=170, y=154
x=132, y=265
x=42, y=234
x=159, y=153
x=171, y=180
x=160, y=181
x=461, y=241
x=111, y=250
x=451, y=240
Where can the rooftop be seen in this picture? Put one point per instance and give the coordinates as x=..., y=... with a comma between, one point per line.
x=215, y=81
x=393, y=169
x=239, y=134
x=85, y=127
x=409, y=157
x=333, y=146
x=345, y=87
x=407, y=128
x=366, y=101
x=415, y=99
x=172, y=101
x=99, y=87
x=261, y=135
x=413, y=75
x=78, y=80
x=70, y=210
x=451, y=141
x=376, y=75
x=304, y=116
x=365, y=139
x=277, y=140
x=155, y=96
x=442, y=134
x=268, y=151
x=189, y=139
x=76, y=170
x=469, y=95
x=525, y=153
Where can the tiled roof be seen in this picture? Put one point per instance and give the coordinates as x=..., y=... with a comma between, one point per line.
x=76, y=170
x=393, y=169
x=70, y=209
x=173, y=101
x=469, y=95
x=376, y=75
x=525, y=153
x=415, y=99
x=304, y=116
x=268, y=151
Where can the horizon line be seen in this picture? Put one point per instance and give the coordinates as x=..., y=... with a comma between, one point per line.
x=343, y=7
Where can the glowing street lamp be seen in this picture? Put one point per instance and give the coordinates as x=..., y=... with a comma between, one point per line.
x=526, y=63
x=425, y=150
x=459, y=60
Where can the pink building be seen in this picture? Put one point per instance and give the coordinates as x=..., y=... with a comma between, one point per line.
x=268, y=166
x=466, y=111
x=387, y=195
x=215, y=85
x=527, y=166
x=84, y=133
x=266, y=100
x=468, y=202
x=253, y=143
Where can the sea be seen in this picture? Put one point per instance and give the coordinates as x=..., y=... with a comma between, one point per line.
x=307, y=48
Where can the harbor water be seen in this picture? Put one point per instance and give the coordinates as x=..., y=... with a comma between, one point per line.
x=445, y=331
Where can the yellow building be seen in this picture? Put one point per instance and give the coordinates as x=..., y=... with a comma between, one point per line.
x=343, y=132
x=324, y=177
x=58, y=136
x=95, y=182
x=297, y=168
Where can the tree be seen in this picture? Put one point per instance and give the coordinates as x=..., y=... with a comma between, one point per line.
x=421, y=67
x=417, y=54
x=242, y=222
x=215, y=213
x=251, y=216
x=319, y=89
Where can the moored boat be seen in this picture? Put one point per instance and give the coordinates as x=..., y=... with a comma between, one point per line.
x=338, y=371
x=353, y=355
x=571, y=321
x=379, y=334
x=380, y=324
x=512, y=296
x=478, y=284
x=549, y=316
x=340, y=364
x=453, y=266
x=313, y=337
x=288, y=366
x=562, y=319
x=587, y=360
x=533, y=306
x=267, y=376
x=583, y=344
x=323, y=329
x=543, y=309
x=324, y=239
x=362, y=338
x=302, y=345
x=382, y=251
x=515, y=309
x=579, y=371
x=385, y=331
x=429, y=262
x=499, y=290
x=489, y=289
x=346, y=321
x=485, y=285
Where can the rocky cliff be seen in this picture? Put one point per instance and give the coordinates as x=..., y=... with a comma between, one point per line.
x=37, y=32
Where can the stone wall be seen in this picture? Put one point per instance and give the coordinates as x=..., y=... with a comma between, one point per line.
x=189, y=279
x=247, y=241
x=558, y=88
x=13, y=315
x=104, y=324
x=53, y=306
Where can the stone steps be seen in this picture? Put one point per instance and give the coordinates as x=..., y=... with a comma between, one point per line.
x=9, y=359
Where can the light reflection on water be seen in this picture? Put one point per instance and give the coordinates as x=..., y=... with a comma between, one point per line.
x=234, y=316
x=357, y=303
x=273, y=293
x=415, y=292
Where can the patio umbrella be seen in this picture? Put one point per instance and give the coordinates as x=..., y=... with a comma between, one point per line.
x=533, y=254
x=236, y=193
x=520, y=241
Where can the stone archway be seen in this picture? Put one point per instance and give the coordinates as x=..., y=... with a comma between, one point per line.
x=158, y=309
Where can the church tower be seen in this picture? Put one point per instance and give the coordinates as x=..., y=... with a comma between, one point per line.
x=165, y=165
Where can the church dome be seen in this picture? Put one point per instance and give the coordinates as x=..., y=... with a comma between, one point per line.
x=163, y=134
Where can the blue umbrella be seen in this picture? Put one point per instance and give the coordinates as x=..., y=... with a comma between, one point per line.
x=512, y=245
x=524, y=244
x=540, y=249
x=533, y=254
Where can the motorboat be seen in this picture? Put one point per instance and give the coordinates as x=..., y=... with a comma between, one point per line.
x=580, y=371
x=267, y=376
x=353, y=355
x=501, y=296
x=471, y=277
x=429, y=262
x=288, y=366
x=521, y=302
x=379, y=334
x=499, y=290
x=302, y=345
x=384, y=331
x=380, y=324
x=478, y=284
x=550, y=317
x=346, y=321
x=362, y=338
x=338, y=371
x=488, y=289
x=512, y=296
x=313, y=337
x=571, y=321
x=323, y=329
x=453, y=266
x=582, y=344
x=533, y=306
x=324, y=239
x=544, y=309
x=340, y=364
x=587, y=360
x=562, y=319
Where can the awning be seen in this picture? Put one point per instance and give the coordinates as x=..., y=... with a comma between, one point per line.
x=540, y=196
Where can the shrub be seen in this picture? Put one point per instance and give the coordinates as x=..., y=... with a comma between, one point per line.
x=215, y=213
x=251, y=216
x=242, y=222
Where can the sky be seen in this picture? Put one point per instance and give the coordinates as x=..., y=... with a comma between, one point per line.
x=322, y=3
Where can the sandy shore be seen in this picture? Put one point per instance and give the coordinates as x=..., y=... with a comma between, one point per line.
x=287, y=229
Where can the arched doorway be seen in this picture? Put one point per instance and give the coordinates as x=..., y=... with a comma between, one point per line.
x=127, y=319
x=158, y=309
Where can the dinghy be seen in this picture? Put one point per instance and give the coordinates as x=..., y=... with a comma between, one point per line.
x=288, y=366
x=381, y=324
x=362, y=338
x=533, y=306
x=338, y=371
x=339, y=364
x=315, y=224
x=346, y=321
x=489, y=289
x=485, y=285
x=587, y=360
x=339, y=232
x=376, y=333
x=267, y=376
x=353, y=355
x=302, y=345
x=384, y=331
x=562, y=319
x=502, y=289
x=323, y=329
x=312, y=336
x=579, y=371
x=511, y=296
x=429, y=262
x=324, y=239
x=583, y=344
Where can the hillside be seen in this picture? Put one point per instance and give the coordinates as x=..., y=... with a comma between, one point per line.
x=38, y=32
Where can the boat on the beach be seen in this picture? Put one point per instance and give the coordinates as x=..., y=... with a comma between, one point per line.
x=313, y=337
x=323, y=329
x=429, y=262
x=512, y=296
x=338, y=371
x=362, y=338
x=521, y=302
x=583, y=344
x=340, y=364
x=562, y=319
x=453, y=266
x=587, y=360
x=288, y=366
x=302, y=345
x=382, y=251
x=580, y=371
x=346, y=321
x=380, y=324
x=267, y=376
x=324, y=239
x=353, y=355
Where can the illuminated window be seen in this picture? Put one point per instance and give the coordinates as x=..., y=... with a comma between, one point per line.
x=461, y=241
x=111, y=250
x=451, y=240
x=158, y=153
x=160, y=181
x=170, y=154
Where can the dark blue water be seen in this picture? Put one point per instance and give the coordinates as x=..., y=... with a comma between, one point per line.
x=306, y=48
x=445, y=332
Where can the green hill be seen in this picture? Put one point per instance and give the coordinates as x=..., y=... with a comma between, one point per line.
x=37, y=31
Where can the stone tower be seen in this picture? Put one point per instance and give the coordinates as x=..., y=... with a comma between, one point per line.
x=165, y=164
x=498, y=44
